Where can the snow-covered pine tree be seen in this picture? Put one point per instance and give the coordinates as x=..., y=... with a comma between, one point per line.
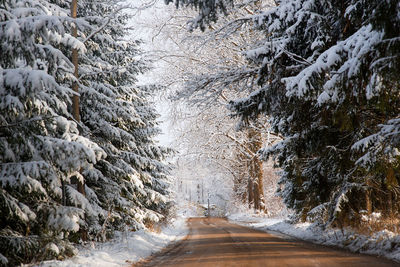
x=132, y=181
x=322, y=83
x=312, y=155
x=40, y=145
x=379, y=161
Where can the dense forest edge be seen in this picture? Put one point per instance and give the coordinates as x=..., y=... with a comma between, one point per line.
x=321, y=76
x=77, y=150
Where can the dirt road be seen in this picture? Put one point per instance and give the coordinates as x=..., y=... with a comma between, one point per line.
x=216, y=242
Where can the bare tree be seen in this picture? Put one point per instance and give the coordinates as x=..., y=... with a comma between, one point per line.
x=203, y=74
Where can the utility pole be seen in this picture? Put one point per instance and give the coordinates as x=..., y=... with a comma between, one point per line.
x=209, y=211
x=202, y=191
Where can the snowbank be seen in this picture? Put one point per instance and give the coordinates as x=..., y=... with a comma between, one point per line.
x=383, y=243
x=126, y=248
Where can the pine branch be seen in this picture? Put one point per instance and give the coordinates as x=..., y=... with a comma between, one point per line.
x=19, y=123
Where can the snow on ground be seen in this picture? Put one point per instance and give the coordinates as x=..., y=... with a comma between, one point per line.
x=130, y=247
x=126, y=248
x=384, y=243
x=187, y=210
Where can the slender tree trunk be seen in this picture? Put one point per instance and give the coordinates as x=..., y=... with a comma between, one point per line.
x=250, y=192
x=368, y=198
x=260, y=184
x=253, y=177
x=256, y=196
x=75, y=98
x=74, y=30
x=64, y=197
x=255, y=170
x=241, y=182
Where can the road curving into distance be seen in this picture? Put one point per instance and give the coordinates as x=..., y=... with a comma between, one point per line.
x=216, y=242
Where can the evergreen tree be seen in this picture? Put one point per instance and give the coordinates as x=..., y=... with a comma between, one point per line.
x=131, y=182
x=324, y=86
x=45, y=153
x=40, y=145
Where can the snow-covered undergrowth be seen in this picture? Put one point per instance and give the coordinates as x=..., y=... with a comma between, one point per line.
x=126, y=248
x=383, y=243
x=187, y=210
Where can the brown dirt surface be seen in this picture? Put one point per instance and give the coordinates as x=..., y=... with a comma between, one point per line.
x=216, y=242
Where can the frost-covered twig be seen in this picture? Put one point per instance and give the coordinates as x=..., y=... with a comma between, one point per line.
x=113, y=14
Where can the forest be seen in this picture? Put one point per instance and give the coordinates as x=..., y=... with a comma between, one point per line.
x=321, y=79
x=284, y=105
x=75, y=164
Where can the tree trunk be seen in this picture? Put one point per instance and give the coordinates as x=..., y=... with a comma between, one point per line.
x=74, y=30
x=255, y=170
x=250, y=192
x=241, y=180
x=368, y=198
x=260, y=184
x=75, y=98
x=256, y=196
